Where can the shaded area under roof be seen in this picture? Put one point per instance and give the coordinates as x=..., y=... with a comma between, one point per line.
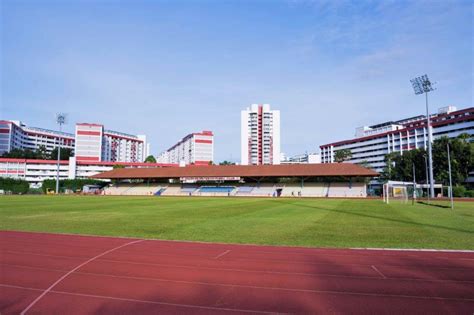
x=292, y=170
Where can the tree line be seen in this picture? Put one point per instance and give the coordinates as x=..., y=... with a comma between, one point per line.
x=399, y=166
x=41, y=153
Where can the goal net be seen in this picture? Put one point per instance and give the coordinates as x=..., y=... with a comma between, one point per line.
x=402, y=192
x=399, y=192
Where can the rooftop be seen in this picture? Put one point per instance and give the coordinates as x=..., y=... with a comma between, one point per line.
x=291, y=170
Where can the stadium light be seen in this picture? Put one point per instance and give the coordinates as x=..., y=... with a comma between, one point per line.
x=423, y=85
x=60, y=120
x=426, y=177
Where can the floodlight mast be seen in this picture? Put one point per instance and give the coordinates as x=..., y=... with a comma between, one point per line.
x=423, y=85
x=60, y=120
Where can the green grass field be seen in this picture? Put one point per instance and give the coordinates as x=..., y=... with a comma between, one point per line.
x=300, y=222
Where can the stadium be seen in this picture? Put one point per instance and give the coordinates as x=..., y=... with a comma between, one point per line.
x=212, y=239
x=122, y=234
x=302, y=180
x=300, y=238
x=236, y=157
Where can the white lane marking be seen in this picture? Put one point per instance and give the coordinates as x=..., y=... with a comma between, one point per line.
x=302, y=263
x=415, y=250
x=378, y=271
x=74, y=269
x=245, y=271
x=222, y=254
x=142, y=301
x=309, y=291
x=247, y=244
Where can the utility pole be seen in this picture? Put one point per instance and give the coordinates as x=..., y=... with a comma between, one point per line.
x=426, y=178
x=450, y=179
x=414, y=186
x=61, y=120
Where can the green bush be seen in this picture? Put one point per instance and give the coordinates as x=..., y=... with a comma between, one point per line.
x=72, y=184
x=459, y=191
x=469, y=194
x=16, y=186
x=35, y=191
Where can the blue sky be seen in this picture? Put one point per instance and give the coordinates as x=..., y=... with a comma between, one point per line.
x=168, y=68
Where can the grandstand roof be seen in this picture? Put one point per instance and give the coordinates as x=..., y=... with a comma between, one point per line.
x=291, y=170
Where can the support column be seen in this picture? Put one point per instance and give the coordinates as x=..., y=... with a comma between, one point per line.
x=424, y=138
x=408, y=140
x=401, y=144
x=416, y=140
x=388, y=143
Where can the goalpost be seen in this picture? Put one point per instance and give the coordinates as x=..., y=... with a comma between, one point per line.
x=396, y=191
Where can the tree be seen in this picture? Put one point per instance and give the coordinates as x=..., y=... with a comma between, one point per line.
x=366, y=165
x=116, y=166
x=462, y=158
x=15, y=186
x=225, y=162
x=400, y=166
x=150, y=159
x=42, y=152
x=71, y=184
x=342, y=155
x=65, y=154
x=22, y=154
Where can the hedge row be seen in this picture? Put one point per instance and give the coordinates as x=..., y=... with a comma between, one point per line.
x=71, y=184
x=16, y=186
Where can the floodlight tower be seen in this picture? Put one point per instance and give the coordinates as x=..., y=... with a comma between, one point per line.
x=60, y=120
x=423, y=85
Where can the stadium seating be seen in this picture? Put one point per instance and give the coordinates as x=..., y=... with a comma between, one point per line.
x=160, y=191
x=333, y=189
x=187, y=189
x=263, y=190
x=116, y=189
x=172, y=190
x=315, y=189
x=347, y=190
x=216, y=190
x=132, y=189
x=244, y=190
x=324, y=190
x=142, y=189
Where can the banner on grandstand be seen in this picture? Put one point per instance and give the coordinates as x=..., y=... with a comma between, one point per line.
x=207, y=179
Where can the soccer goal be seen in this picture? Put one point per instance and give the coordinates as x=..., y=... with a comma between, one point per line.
x=397, y=192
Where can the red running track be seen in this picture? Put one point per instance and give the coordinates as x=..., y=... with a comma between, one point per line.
x=45, y=273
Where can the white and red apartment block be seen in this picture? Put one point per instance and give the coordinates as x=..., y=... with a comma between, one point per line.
x=16, y=135
x=36, y=171
x=94, y=143
x=90, y=142
x=260, y=135
x=372, y=143
x=195, y=148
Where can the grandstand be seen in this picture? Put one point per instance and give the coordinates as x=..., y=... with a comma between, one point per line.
x=331, y=189
x=216, y=191
x=132, y=189
x=298, y=180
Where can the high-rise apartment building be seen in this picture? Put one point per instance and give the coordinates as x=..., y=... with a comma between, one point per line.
x=372, y=143
x=90, y=142
x=260, y=135
x=196, y=149
x=94, y=143
x=16, y=135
